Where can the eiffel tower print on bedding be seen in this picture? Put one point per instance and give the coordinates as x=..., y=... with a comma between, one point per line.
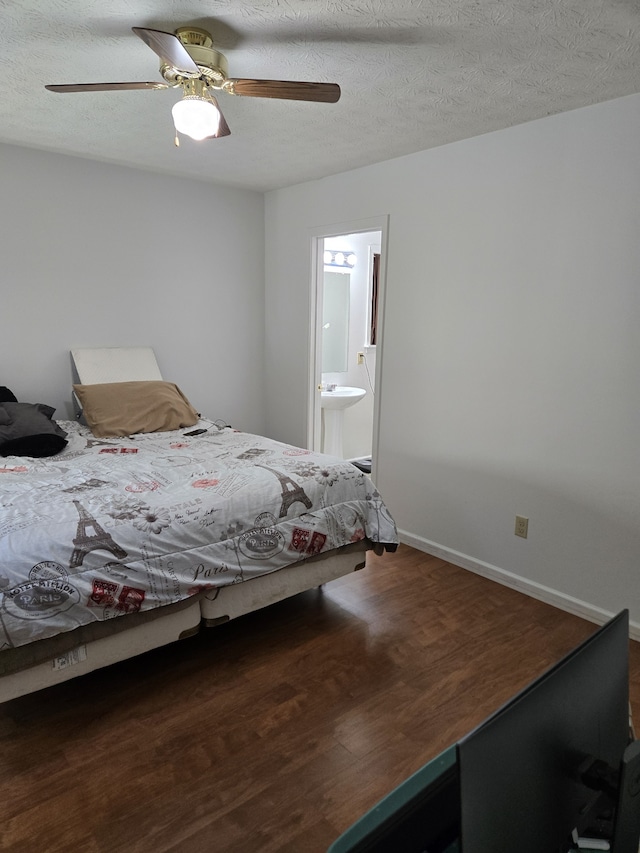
x=127, y=525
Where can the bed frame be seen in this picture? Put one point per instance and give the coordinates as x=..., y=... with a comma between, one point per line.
x=130, y=637
x=230, y=602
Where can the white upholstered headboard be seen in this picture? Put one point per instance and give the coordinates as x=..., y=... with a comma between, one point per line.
x=115, y=364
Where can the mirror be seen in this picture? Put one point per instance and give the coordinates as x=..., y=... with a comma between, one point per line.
x=335, y=322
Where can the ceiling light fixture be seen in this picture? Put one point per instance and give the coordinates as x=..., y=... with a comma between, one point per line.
x=197, y=115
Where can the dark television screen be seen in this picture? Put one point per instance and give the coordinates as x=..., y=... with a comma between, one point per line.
x=520, y=770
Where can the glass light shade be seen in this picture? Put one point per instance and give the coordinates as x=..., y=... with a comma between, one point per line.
x=196, y=117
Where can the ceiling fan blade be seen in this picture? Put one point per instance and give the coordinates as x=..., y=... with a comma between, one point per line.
x=327, y=93
x=169, y=48
x=223, y=128
x=104, y=87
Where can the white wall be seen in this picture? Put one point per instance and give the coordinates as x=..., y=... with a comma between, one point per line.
x=98, y=255
x=511, y=346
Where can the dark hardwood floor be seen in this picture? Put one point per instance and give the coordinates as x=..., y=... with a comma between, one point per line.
x=274, y=732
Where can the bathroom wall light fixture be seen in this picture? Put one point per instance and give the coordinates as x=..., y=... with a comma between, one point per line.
x=336, y=258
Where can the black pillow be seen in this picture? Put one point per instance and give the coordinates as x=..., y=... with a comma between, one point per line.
x=26, y=429
x=7, y=396
x=36, y=446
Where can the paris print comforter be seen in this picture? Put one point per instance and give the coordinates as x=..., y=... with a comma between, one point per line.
x=114, y=526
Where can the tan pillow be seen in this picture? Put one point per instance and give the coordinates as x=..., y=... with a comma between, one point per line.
x=124, y=408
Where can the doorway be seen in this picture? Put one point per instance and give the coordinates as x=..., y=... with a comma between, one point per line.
x=347, y=289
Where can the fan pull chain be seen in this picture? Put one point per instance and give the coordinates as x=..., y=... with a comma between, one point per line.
x=176, y=141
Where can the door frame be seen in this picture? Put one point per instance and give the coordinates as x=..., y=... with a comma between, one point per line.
x=316, y=239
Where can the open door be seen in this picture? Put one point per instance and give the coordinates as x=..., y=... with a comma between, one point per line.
x=347, y=258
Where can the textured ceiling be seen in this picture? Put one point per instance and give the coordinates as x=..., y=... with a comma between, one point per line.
x=414, y=74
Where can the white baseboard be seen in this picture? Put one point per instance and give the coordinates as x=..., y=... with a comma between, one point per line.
x=543, y=593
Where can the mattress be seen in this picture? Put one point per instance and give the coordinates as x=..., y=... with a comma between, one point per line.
x=122, y=527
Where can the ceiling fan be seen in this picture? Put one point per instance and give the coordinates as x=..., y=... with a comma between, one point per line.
x=189, y=61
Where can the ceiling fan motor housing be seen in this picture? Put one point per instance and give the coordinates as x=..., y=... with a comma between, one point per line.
x=211, y=63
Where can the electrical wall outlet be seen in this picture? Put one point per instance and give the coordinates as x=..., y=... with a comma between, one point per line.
x=360, y=358
x=522, y=526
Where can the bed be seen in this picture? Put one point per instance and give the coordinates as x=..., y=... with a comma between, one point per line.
x=120, y=543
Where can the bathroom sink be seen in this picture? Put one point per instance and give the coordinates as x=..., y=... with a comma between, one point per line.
x=342, y=397
x=333, y=405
